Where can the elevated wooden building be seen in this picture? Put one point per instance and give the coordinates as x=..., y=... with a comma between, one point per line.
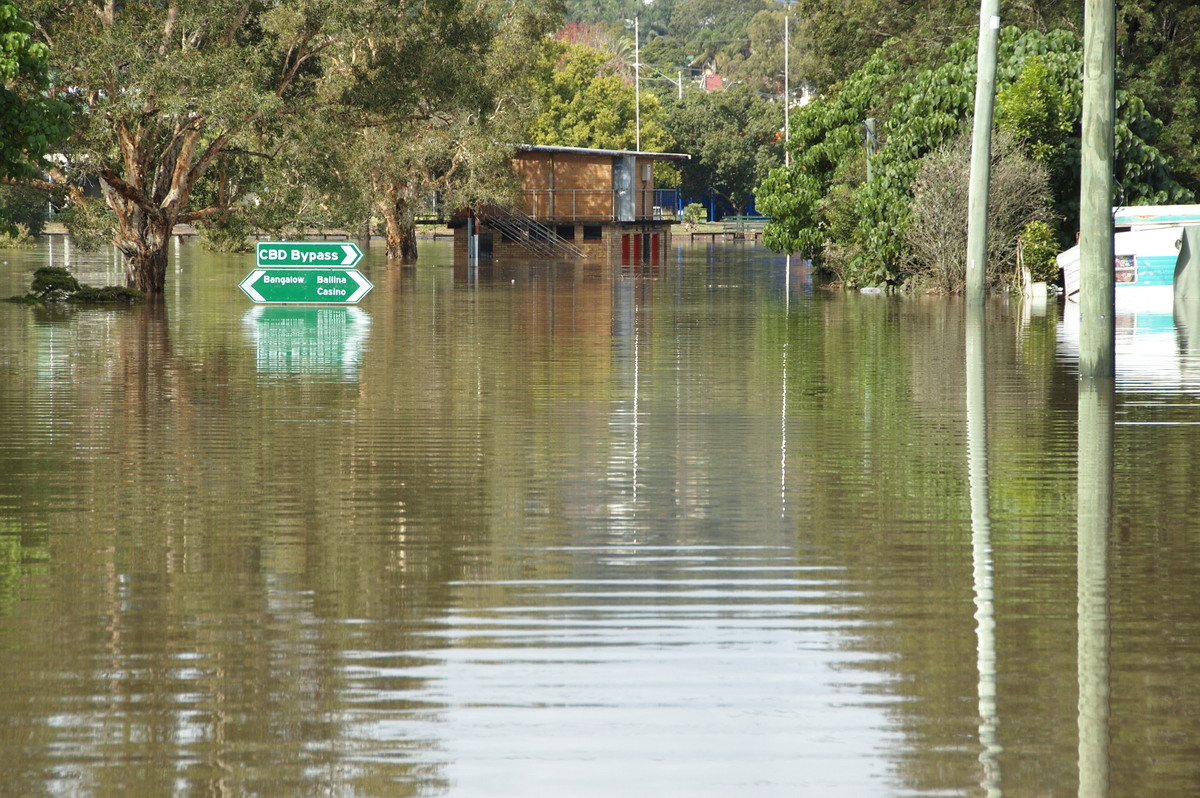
x=575, y=203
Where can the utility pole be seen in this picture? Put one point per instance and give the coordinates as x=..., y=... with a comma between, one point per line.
x=1096, y=277
x=981, y=150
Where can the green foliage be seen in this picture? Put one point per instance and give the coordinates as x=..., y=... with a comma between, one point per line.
x=51, y=282
x=32, y=121
x=25, y=207
x=585, y=103
x=1159, y=52
x=1035, y=108
x=733, y=138
x=1038, y=250
x=917, y=112
x=836, y=38
x=231, y=234
x=692, y=215
x=89, y=222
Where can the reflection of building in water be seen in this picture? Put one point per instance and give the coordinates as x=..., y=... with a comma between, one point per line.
x=292, y=340
x=1153, y=342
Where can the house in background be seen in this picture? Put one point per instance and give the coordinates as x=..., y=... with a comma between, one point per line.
x=575, y=203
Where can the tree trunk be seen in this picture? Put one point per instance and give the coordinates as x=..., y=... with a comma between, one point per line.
x=146, y=269
x=143, y=236
x=400, y=232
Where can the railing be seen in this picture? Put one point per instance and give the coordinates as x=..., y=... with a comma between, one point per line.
x=740, y=225
x=528, y=233
x=597, y=205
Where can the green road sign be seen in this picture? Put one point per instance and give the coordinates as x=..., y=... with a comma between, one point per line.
x=306, y=286
x=306, y=253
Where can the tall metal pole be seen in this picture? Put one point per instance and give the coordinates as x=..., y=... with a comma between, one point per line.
x=787, y=92
x=981, y=150
x=1096, y=276
x=637, y=85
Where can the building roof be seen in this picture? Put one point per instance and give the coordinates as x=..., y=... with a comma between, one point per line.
x=665, y=156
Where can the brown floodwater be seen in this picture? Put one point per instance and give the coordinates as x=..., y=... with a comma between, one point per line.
x=587, y=530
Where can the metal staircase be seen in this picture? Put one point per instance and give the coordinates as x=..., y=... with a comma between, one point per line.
x=526, y=232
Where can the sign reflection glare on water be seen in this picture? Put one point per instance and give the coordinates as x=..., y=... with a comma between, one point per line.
x=293, y=340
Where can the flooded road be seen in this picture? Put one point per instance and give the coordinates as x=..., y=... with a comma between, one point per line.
x=587, y=530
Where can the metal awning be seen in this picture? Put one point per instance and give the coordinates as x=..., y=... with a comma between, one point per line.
x=664, y=156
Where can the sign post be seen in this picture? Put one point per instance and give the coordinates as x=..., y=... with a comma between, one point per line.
x=306, y=273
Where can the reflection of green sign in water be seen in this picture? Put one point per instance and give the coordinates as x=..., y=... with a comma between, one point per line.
x=293, y=340
x=306, y=286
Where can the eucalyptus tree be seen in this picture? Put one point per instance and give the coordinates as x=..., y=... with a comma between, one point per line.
x=434, y=99
x=164, y=90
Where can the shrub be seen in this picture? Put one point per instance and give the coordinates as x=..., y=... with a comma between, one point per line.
x=936, y=236
x=1038, y=248
x=693, y=214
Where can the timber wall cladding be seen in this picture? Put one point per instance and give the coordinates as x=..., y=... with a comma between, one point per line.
x=566, y=185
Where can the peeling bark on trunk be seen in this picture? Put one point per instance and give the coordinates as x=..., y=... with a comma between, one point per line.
x=143, y=237
x=364, y=236
x=400, y=231
x=146, y=266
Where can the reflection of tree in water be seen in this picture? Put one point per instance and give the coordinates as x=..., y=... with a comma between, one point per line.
x=206, y=559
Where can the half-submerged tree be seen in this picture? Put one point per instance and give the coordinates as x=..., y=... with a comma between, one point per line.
x=164, y=90
x=435, y=101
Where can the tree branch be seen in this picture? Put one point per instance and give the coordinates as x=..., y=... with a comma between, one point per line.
x=169, y=27
x=203, y=213
x=130, y=194
x=237, y=23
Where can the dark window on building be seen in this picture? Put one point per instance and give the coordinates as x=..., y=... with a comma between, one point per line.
x=593, y=232
x=566, y=232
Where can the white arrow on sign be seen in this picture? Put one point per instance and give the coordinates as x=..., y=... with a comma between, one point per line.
x=247, y=285
x=352, y=255
x=364, y=285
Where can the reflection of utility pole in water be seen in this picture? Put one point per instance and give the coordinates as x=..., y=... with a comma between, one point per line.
x=787, y=314
x=631, y=296
x=1094, y=511
x=981, y=550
